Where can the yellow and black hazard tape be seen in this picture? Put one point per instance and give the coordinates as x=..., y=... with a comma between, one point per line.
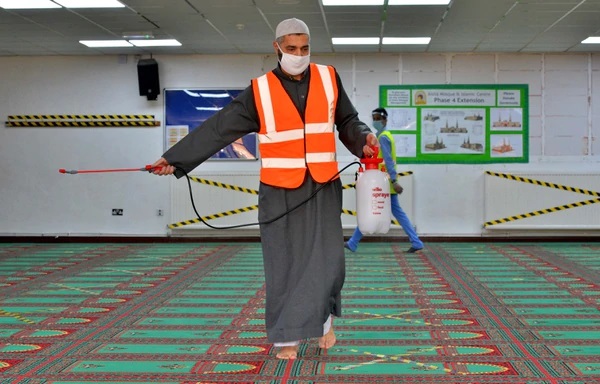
x=254, y=191
x=407, y=173
x=242, y=210
x=249, y=208
x=348, y=212
x=541, y=212
x=546, y=210
x=82, y=123
x=544, y=183
x=81, y=117
x=214, y=216
x=223, y=185
x=353, y=185
x=16, y=316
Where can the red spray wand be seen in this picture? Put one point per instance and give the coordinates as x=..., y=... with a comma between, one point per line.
x=147, y=168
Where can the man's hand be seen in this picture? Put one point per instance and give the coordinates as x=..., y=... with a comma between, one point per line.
x=371, y=142
x=162, y=168
x=397, y=187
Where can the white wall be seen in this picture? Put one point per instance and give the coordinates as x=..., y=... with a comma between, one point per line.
x=447, y=199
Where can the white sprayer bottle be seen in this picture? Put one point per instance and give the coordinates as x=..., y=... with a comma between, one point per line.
x=373, y=205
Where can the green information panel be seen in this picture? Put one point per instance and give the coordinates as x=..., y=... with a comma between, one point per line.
x=458, y=123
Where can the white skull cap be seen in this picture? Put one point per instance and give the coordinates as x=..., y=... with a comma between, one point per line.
x=290, y=27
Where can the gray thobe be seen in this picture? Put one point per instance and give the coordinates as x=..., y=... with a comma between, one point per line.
x=303, y=251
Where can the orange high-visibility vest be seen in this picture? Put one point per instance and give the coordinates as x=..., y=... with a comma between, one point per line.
x=290, y=143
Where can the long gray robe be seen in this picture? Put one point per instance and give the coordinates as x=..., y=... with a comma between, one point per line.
x=303, y=251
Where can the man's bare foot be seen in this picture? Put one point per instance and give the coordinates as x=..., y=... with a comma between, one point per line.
x=288, y=353
x=328, y=340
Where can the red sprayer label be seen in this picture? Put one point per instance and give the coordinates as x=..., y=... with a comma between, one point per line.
x=378, y=201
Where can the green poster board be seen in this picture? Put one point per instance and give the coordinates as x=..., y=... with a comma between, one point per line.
x=467, y=124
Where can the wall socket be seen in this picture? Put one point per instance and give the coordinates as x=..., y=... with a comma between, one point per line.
x=117, y=211
x=159, y=212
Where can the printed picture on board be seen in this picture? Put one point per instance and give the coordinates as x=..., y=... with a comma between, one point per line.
x=420, y=98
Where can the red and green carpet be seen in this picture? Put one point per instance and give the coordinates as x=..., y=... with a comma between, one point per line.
x=193, y=313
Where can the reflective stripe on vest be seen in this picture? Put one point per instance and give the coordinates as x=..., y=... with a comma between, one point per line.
x=289, y=144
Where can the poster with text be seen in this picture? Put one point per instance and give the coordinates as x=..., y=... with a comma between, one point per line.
x=458, y=123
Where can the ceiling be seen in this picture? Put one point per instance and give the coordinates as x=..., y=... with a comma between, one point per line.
x=247, y=26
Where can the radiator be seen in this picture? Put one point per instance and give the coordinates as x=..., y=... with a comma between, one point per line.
x=541, y=201
x=225, y=200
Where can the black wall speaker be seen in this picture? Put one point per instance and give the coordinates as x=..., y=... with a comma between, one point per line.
x=148, y=78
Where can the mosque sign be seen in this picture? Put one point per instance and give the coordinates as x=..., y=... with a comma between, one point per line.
x=458, y=123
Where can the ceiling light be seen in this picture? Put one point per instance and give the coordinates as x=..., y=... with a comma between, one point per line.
x=591, y=40
x=406, y=40
x=137, y=35
x=418, y=2
x=352, y=2
x=105, y=43
x=90, y=3
x=390, y=2
x=355, y=40
x=156, y=43
x=27, y=4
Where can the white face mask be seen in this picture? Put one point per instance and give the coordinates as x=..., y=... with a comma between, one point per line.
x=292, y=64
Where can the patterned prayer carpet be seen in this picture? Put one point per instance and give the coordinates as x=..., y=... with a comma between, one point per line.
x=193, y=313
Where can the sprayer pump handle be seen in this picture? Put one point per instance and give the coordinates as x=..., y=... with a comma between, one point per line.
x=375, y=149
x=373, y=161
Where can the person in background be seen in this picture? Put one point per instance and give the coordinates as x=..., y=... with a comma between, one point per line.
x=388, y=152
x=294, y=109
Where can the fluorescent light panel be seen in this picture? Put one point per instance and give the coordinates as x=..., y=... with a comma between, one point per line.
x=130, y=43
x=375, y=40
x=355, y=40
x=90, y=3
x=44, y=4
x=352, y=2
x=380, y=2
x=418, y=2
x=28, y=4
x=105, y=43
x=591, y=40
x=406, y=40
x=156, y=43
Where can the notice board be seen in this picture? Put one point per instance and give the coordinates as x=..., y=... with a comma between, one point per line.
x=186, y=109
x=458, y=123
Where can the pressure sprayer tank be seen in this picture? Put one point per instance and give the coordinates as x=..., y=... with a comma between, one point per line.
x=373, y=205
